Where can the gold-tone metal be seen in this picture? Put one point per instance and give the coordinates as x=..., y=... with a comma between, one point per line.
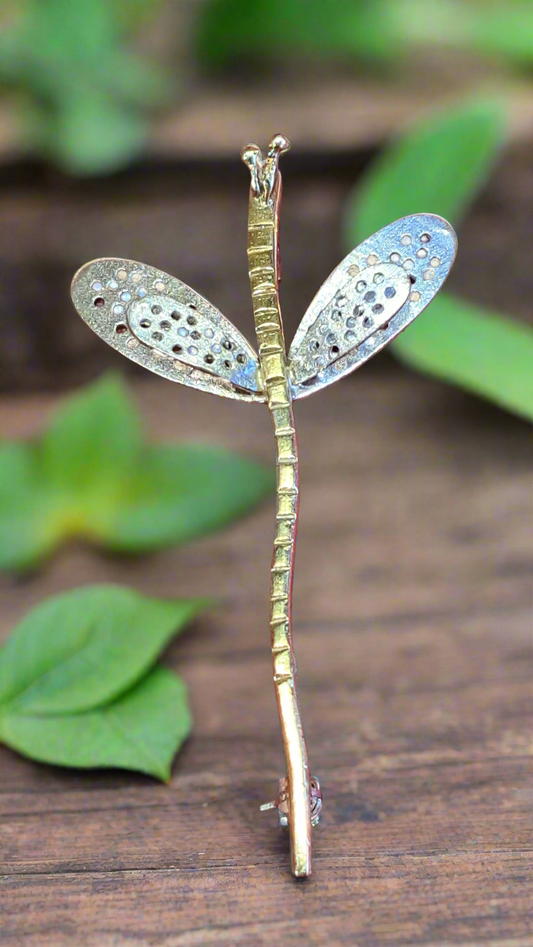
x=161, y=323
x=263, y=270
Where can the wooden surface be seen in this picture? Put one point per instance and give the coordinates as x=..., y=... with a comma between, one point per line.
x=416, y=664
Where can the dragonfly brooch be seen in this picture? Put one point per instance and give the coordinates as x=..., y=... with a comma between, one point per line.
x=164, y=325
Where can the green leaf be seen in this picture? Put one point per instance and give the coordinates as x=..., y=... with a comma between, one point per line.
x=437, y=167
x=90, y=94
x=267, y=29
x=381, y=31
x=27, y=532
x=85, y=29
x=92, y=134
x=182, y=492
x=18, y=473
x=93, y=440
x=481, y=351
x=91, y=477
x=77, y=686
x=493, y=28
x=501, y=27
x=141, y=730
x=67, y=483
x=82, y=648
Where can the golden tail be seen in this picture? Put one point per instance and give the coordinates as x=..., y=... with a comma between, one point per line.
x=295, y=800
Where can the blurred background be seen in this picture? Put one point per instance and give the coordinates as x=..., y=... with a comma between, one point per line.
x=121, y=123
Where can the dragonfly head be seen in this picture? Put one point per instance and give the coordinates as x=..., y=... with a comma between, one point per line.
x=264, y=171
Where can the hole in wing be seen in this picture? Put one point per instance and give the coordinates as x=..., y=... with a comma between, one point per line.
x=357, y=309
x=180, y=330
x=106, y=293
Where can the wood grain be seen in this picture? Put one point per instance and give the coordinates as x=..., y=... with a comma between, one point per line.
x=415, y=659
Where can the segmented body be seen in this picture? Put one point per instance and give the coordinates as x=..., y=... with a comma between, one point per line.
x=366, y=301
x=264, y=278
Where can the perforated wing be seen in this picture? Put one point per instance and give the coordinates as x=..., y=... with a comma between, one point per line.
x=372, y=296
x=164, y=325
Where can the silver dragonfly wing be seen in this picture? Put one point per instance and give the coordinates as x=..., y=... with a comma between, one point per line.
x=371, y=296
x=162, y=324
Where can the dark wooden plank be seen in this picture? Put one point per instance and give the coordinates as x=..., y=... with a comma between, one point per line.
x=415, y=648
x=422, y=900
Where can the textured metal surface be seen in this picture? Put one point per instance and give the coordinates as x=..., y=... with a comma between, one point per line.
x=263, y=266
x=364, y=303
x=423, y=247
x=111, y=296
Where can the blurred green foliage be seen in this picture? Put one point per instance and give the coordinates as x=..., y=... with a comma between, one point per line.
x=84, y=96
x=381, y=31
x=91, y=476
x=440, y=166
x=78, y=686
